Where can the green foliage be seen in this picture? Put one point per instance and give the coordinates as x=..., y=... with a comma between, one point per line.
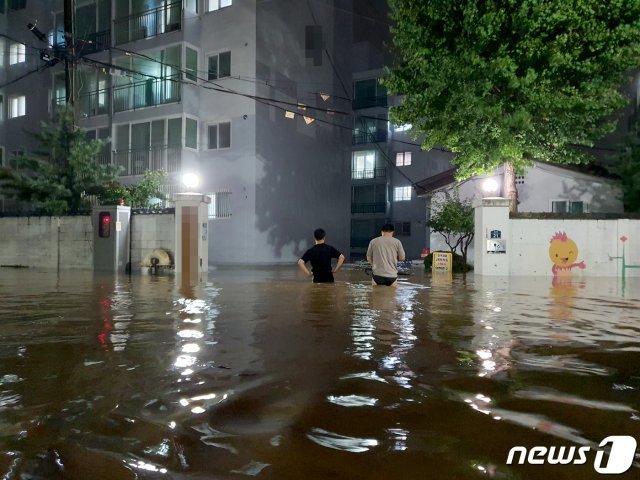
x=138, y=195
x=57, y=177
x=626, y=166
x=511, y=81
x=453, y=219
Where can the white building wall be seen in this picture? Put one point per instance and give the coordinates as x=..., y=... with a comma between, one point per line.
x=542, y=184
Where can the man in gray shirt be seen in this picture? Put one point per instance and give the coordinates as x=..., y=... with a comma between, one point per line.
x=383, y=254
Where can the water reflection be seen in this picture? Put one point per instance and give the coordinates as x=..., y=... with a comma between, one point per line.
x=252, y=372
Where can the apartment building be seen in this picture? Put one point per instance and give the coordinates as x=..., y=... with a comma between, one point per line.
x=253, y=96
x=386, y=164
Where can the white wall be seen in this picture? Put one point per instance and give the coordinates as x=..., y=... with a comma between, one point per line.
x=542, y=184
x=596, y=240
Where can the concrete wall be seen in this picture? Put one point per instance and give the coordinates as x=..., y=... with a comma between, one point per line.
x=36, y=242
x=542, y=184
x=596, y=242
x=46, y=242
x=149, y=232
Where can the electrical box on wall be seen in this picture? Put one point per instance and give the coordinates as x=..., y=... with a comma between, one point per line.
x=495, y=242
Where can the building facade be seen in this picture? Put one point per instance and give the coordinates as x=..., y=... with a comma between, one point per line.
x=246, y=94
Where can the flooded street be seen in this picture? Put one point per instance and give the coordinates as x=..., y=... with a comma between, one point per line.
x=259, y=373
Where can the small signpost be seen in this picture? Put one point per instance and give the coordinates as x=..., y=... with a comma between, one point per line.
x=442, y=262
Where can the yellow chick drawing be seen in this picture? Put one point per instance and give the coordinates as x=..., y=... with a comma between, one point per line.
x=563, y=252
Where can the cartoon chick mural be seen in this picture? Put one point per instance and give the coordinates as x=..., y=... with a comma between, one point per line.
x=563, y=252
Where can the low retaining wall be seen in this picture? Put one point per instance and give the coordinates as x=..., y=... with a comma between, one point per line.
x=558, y=245
x=67, y=242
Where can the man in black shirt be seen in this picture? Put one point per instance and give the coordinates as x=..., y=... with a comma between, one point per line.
x=320, y=256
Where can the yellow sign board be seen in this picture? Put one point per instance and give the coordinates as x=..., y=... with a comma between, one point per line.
x=442, y=262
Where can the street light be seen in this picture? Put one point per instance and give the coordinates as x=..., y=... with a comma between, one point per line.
x=191, y=180
x=490, y=186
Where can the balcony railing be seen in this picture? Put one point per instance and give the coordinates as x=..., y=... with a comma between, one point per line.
x=136, y=162
x=150, y=23
x=93, y=42
x=147, y=93
x=369, y=137
x=364, y=174
x=90, y=104
x=380, y=207
x=369, y=102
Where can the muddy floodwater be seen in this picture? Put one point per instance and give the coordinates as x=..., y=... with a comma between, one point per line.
x=257, y=373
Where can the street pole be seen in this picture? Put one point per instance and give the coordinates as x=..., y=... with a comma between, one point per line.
x=69, y=58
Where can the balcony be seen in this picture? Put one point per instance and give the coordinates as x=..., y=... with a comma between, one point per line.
x=150, y=23
x=380, y=207
x=136, y=162
x=369, y=137
x=365, y=174
x=369, y=102
x=89, y=104
x=146, y=93
x=93, y=42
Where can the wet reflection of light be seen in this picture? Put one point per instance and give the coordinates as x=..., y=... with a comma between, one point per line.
x=186, y=372
x=172, y=425
x=192, y=305
x=403, y=328
x=145, y=466
x=184, y=402
x=192, y=320
x=352, y=400
x=185, y=361
x=366, y=376
x=204, y=397
x=341, y=442
x=161, y=450
x=191, y=348
x=190, y=334
x=197, y=410
x=398, y=437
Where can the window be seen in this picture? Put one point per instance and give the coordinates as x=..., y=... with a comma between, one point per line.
x=1, y=153
x=219, y=136
x=220, y=206
x=17, y=4
x=403, y=128
x=217, y=4
x=191, y=133
x=191, y=64
x=363, y=165
x=369, y=93
x=401, y=194
x=402, y=229
x=403, y=159
x=566, y=206
x=1, y=104
x=219, y=66
x=17, y=53
x=17, y=106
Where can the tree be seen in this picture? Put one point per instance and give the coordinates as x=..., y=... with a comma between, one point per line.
x=61, y=173
x=511, y=81
x=453, y=219
x=626, y=166
x=138, y=195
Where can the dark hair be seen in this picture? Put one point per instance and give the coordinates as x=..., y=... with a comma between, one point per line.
x=319, y=234
x=387, y=227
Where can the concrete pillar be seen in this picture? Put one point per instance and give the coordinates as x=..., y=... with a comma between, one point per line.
x=110, y=237
x=192, y=235
x=492, y=231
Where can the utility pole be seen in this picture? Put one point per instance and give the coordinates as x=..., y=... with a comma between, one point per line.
x=70, y=57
